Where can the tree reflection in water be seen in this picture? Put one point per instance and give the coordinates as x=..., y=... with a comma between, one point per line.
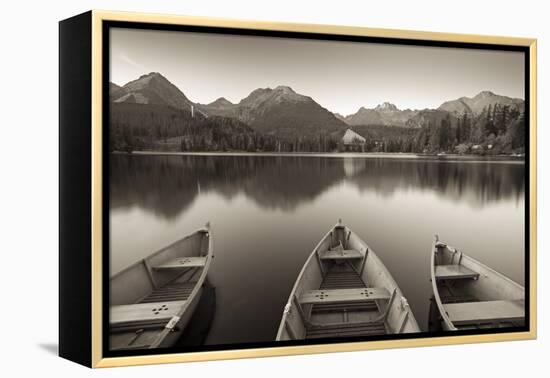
x=168, y=185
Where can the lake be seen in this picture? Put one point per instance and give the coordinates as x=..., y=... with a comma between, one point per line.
x=268, y=212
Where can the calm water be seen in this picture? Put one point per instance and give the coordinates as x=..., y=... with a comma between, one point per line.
x=268, y=213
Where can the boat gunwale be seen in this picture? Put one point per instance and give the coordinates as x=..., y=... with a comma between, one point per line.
x=299, y=279
x=173, y=244
x=484, y=266
x=435, y=288
x=389, y=277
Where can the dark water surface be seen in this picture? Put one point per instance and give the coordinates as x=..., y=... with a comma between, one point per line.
x=268, y=212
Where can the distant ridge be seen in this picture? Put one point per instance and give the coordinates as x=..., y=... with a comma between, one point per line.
x=482, y=100
x=384, y=114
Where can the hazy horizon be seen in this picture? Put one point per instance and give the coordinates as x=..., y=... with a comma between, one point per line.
x=340, y=76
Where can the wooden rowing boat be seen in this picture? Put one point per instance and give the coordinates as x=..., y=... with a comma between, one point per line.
x=153, y=300
x=344, y=290
x=469, y=295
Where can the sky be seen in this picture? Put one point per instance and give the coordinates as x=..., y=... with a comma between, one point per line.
x=340, y=76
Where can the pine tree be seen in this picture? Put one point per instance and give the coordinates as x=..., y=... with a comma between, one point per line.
x=465, y=132
x=502, y=120
x=489, y=127
x=458, y=134
x=444, y=133
x=518, y=130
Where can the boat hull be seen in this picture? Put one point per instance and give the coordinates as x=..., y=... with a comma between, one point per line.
x=153, y=300
x=467, y=294
x=344, y=290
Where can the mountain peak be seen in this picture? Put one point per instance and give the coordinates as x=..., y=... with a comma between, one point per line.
x=260, y=91
x=155, y=74
x=222, y=101
x=284, y=89
x=153, y=88
x=287, y=94
x=384, y=114
x=281, y=93
x=386, y=107
x=145, y=80
x=150, y=76
x=485, y=94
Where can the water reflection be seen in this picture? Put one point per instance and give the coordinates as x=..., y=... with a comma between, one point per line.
x=168, y=185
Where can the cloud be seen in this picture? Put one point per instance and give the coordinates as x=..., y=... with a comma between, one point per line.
x=126, y=59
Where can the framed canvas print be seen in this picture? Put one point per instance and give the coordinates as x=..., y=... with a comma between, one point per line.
x=234, y=189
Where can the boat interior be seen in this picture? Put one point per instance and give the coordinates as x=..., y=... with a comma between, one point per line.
x=472, y=295
x=345, y=291
x=149, y=295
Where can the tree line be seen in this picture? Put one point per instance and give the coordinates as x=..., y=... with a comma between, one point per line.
x=498, y=129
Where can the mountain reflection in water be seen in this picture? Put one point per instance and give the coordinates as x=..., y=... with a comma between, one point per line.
x=268, y=212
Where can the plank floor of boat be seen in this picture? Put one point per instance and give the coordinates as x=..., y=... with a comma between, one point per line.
x=178, y=290
x=342, y=276
x=171, y=292
x=447, y=294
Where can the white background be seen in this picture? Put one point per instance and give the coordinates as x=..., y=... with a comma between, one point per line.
x=29, y=189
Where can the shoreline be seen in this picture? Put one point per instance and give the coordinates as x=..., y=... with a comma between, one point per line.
x=341, y=155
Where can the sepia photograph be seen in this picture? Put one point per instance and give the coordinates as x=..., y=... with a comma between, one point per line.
x=290, y=189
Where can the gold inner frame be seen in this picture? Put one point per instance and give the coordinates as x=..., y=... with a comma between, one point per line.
x=97, y=211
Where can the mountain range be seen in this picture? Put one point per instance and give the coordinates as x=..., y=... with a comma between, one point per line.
x=280, y=110
x=283, y=112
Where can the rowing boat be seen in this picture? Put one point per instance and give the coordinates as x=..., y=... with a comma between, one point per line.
x=469, y=295
x=152, y=301
x=344, y=290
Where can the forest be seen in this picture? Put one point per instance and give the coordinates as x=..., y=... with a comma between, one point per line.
x=497, y=130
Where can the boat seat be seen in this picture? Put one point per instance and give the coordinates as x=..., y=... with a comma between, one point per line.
x=182, y=262
x=344, y=295
x=323, y=308
x=139, y=312
x=454, y=272
x=342, y=254
x=485, y=312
